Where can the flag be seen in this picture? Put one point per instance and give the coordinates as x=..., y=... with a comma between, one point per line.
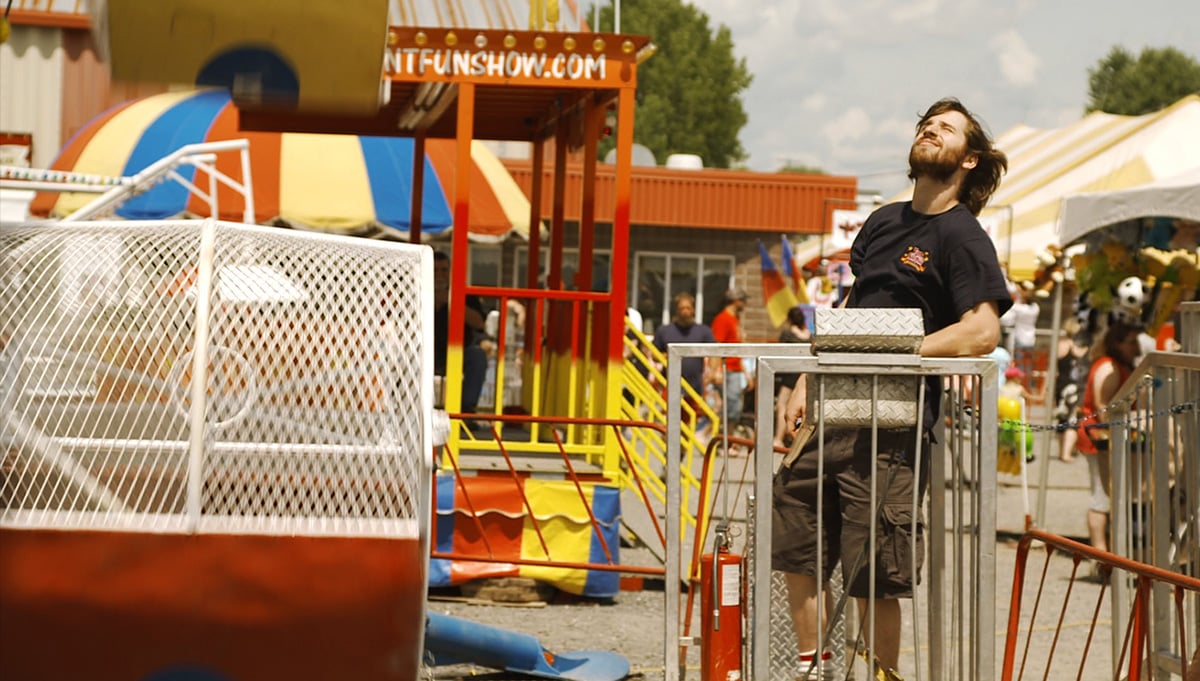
x=776, y=293
x=792, y=273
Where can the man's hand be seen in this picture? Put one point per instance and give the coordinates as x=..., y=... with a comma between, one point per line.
x=797, y=404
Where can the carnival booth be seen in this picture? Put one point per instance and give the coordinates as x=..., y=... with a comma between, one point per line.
x=1135, y=254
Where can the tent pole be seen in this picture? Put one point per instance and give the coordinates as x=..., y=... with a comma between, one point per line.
x=1049, y=400
x=417, y=189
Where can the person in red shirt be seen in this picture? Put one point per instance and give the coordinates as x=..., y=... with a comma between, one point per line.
x=727, y=328
x=1112, y=363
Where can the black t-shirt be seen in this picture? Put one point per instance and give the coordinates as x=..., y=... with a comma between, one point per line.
x=942, y=264
x=441, y=332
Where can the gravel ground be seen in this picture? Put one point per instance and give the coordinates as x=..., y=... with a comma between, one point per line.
x=632, y=624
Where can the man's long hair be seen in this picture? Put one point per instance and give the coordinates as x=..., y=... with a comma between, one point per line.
x=982, y=180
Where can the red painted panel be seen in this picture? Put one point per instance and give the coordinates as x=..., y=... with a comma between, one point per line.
x=122, y=606
x=502, y=514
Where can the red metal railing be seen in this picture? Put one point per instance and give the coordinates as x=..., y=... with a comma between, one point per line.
x=570, y=473
x=1135, y=654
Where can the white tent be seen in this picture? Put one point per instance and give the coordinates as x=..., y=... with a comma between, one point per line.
x=1099, y=153
x=1175, y=197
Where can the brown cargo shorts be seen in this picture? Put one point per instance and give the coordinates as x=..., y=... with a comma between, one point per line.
x=845, y=533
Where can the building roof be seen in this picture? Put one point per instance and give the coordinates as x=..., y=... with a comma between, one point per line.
x=791, y=203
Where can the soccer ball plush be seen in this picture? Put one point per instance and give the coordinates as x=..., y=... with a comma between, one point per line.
x=1131, y=294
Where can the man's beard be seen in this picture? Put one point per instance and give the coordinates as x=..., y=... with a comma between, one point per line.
x=940, y=165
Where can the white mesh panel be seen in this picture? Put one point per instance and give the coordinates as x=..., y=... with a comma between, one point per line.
x=313, y=352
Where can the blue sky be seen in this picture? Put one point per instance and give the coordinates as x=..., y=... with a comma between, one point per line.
x=838, y=84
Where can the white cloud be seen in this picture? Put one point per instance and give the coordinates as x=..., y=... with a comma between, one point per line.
x=852, y=124
x=904, y=12
x=1018, y=63
x=817, y=101
x=838, y=84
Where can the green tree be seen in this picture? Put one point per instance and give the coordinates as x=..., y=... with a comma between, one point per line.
x=689, y=92
x=801, y=168
x=1121, y=84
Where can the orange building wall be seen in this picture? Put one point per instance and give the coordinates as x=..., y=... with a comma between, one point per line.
x=789, y=203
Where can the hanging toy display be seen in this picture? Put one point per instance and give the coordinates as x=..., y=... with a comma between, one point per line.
x=1174, y=276
x=1128, y=301
x=1050, y=272
x=1109, y=285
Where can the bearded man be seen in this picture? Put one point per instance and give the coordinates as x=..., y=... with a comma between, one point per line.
x=929, y=253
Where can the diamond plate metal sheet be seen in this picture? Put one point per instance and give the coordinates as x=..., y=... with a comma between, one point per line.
x=785, y=655
x=209, y=377
x=848, y=401
x=898, y=330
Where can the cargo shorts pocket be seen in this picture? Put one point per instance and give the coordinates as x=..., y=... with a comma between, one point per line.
x=897, y=542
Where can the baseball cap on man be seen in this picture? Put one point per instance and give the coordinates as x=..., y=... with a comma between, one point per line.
x=735, y=294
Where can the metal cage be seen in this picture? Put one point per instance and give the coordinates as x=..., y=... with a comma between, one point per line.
x=208, y=379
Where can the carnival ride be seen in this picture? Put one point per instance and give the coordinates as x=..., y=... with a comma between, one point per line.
x=251, y=372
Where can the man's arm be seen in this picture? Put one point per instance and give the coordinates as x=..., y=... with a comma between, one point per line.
x=975, y=333
x=473, y=313
x=712, y=371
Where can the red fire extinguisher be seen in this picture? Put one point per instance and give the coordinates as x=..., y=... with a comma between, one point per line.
x=721, y=614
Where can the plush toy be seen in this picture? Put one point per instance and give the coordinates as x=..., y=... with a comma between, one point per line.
x=1049, y=273
x=1131, y=293
x=1098, y=273
x=1175, y=275
x=1119, y=257
x=1086, y=315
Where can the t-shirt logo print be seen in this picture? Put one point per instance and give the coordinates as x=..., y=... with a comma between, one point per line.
x=915, y=258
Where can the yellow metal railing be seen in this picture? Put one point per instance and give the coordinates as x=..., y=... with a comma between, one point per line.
x=643, y=399
x=576, y=389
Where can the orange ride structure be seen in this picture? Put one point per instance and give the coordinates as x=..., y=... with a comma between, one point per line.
x=552, y=89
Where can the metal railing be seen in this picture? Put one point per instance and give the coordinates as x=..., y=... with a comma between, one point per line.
x=116, y=190
x=1136, y=652
x=1154, y=426
x=954, y=608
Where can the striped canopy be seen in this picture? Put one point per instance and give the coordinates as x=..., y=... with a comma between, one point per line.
x=337, y=183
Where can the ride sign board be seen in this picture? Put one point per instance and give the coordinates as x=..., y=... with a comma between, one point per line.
x=503, y=57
